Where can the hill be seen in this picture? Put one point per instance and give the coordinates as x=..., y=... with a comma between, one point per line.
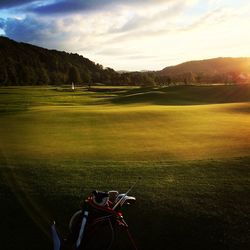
x=214, y=70
x=26, y=64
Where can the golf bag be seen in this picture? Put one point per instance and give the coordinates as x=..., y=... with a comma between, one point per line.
x=99, y=225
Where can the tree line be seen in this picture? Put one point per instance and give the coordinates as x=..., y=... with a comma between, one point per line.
x=25, y=64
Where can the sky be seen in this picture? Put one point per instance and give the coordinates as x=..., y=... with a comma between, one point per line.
x=132, y=34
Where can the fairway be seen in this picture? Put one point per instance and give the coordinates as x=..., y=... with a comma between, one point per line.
x=49, y=123
x=190, y=145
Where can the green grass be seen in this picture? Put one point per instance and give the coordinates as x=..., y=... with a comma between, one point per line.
x=49, y=123
x=189, y=144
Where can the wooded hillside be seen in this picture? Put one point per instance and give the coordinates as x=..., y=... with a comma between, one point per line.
x=25, y=64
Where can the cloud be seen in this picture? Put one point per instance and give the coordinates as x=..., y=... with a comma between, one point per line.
x=147, y=21
x=69, y=6
x=91, y=29
x=5, y=4
x=94, y=33
x=62, y=33
x=166, y=23
x=129, y=34
x=88, y=30
x=2, y=23
x=26, y=30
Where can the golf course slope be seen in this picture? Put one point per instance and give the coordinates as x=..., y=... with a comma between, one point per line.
x=190, y=145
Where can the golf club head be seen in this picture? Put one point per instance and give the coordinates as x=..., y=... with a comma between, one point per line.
x=113, y=195
x=126, y=200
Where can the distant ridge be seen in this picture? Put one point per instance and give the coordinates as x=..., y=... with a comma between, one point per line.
x=216, y=69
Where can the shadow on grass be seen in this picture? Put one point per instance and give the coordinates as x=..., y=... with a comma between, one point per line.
x=180, y=205
x=242, y=109
x=7, y=110
x=185, y=95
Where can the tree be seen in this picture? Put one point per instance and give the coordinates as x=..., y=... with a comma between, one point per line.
x=74, y=75
x=43, y=77
x=12, y=75
x=188, y=78
x=3, y=76
x=148, y=79
x=23, y=74
x=86, y=77
x=163, y=80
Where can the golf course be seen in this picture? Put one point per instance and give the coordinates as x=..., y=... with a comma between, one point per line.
x=189, y=144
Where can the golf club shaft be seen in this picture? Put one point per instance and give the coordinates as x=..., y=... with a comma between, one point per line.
x=121, y=199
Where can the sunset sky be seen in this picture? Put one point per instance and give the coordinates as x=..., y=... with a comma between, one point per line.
x=132, y=34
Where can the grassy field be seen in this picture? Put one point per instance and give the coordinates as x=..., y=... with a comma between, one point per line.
x=190, y=145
